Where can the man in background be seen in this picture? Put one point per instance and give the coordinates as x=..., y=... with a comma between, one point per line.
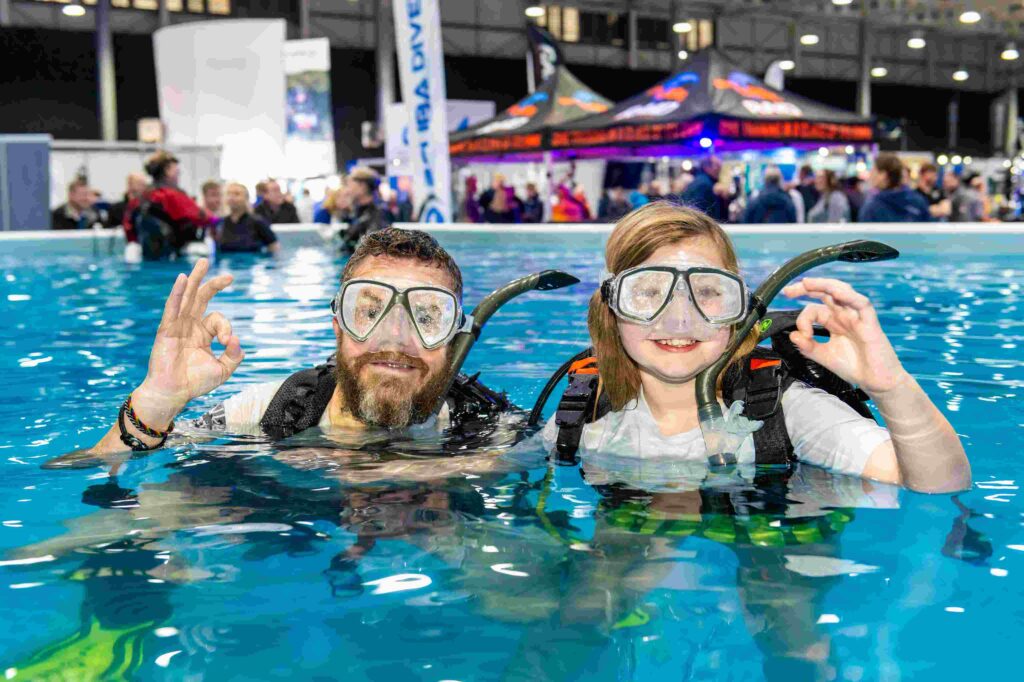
x=927, y=187
x=367, y=216
x=701, y=192
x=213, y=198
x=772, y=204
x=805, y=186
x=77, y=212
x=275, y=208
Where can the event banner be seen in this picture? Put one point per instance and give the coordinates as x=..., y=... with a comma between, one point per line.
x=545, y=54
x=462, y=113
x=220, y=83
x=421, y=65
x=309, y=126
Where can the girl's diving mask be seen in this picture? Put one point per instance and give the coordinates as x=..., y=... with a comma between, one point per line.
x=643, y=294
x=435, y=312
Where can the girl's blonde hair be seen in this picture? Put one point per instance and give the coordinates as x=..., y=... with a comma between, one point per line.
x=635, y=239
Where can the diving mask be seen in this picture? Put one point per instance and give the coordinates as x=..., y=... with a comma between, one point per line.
x=641, y=295
x=435, y=312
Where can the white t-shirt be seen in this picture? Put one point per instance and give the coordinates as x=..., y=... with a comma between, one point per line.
x=824, y=431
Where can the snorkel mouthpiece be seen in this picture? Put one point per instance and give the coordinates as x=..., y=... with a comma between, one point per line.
x=546, y=280
x=720, y=433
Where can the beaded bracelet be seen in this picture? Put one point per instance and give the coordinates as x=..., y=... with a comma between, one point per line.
x=130, y=440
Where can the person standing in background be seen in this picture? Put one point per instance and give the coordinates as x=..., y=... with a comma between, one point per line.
x=854, y=195
x=772, y=204
x=805, y=185
x=701, y=193
x=499, y=202
x=832, y=206
x=367, y=216
x=533, y=207
x=613, y=205
x=77, y=212
x=894, y=203
x=275, y=208
x=927, y=187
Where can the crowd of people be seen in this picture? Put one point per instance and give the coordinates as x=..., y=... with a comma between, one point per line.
x=888, y=194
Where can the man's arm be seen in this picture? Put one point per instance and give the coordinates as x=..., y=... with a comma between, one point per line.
x=182, y=366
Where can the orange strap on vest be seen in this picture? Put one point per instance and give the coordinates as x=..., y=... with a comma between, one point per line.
x=584, y=366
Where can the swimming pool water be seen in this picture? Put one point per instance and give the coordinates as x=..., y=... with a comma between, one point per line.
x=238, y=560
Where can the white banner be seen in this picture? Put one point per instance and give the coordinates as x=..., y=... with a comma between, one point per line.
x=421, y=65
x=309, y=132
x=220, y=83
x=461, y=113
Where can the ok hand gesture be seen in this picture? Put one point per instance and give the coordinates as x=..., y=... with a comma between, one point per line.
x=857, y=350
x=182, y=365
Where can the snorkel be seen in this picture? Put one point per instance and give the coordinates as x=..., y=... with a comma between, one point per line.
x=721, y=442
x=462, y=343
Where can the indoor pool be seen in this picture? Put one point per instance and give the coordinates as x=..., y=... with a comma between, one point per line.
x=235, y=559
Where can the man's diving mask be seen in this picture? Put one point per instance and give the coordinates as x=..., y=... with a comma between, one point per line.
x=435, y=312
x=642, y=294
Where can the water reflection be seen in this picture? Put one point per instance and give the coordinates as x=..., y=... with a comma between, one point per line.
x=585, y=570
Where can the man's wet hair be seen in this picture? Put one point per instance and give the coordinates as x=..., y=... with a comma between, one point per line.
x=405, y=244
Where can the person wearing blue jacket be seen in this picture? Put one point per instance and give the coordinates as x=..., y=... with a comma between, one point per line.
x=701, y=192
x=894, y=202
x=772, y=204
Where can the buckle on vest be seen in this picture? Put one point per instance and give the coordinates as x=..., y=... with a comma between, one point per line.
x=757, y=398
x=578, y=401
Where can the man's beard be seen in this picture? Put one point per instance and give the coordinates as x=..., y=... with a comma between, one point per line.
x=388, y=401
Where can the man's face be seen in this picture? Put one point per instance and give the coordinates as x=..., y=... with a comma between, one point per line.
x=238, y=198
x=213, y=199
x=390, y=379
x=927, y=179
x=274, y=196
x=136, y=186
x=713, y=168
x=950, y=182
x=80, y=197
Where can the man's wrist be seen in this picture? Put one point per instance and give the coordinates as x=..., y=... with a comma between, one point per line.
x=154, y=409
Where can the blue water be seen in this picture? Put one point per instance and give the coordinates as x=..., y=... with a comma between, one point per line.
x=235, y=560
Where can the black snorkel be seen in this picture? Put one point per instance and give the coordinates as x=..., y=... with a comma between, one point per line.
x=546, y=280
x=709, y=412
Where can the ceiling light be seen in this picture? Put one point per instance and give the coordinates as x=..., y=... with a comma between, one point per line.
x=916, y=40
x=968, y=161
x=1007, y=163
x=957, y=159
x=823, y=151
x=879, y=72
x=809, y=39
x=683, y=54
x=687, y=165
x=787, y=65
x=682, y=27
x=75, y=10
x=706, y=142
x=850, y=149
x=961, y=75
x=841, y=3
x=534, y=12
x=1010, y=52
x=943, y=159
x=970, y=17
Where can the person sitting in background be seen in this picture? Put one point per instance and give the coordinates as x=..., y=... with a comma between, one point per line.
x=135, y=185
x=701, y=192
x=164, y=219
x=366, y=217
x=499, y=203
x=893, y=203
x=854, y=195
x=613, y=205
x=533, y=207
x=772, y=204
x=275, y=208
x=927, y=181
x=805, y=186
x=213, y=198
x=832, y=206
x=77, y=213
x=240, y=230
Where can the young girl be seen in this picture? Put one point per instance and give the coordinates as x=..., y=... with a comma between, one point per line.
x=650, y=347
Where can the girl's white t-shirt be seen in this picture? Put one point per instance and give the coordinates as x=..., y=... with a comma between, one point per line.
x=824, y=431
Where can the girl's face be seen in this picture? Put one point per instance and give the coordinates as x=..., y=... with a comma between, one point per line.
x=679, y=345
